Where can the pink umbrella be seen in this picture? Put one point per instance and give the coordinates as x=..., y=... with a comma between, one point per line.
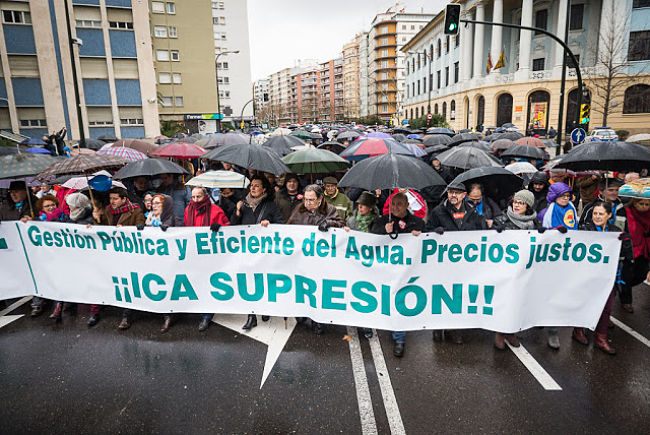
x=124, y=152
x=180, y=150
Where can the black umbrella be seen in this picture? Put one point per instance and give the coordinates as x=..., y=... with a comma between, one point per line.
x=402, y=130
x=106, y=138
x=525, y=151
x=436, y=139
x=332, y=146
x=25, y=164
x=607, y=156
x=508, y=125
x=441, y=130
x=399, y=137
x=482, y=145
x=502, y=144
x=465, y=130
x=249, y=156
x=436, y=149
x=390, y=171
x=498, y=183
x=226, y=139
x=512, y=135
x=468, y=158
x=92, y=144
x=464, y=137
x=282, y=144
x=149, y=168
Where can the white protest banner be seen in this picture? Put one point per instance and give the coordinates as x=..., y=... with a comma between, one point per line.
x=481, y=279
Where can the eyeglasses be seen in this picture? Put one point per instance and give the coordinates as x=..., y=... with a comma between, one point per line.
x=455, y=192
x=49, y=205
x=517, y=202
x=159, y=202
x=565, y=195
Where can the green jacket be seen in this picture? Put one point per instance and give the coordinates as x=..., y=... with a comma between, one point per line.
x=343, y=205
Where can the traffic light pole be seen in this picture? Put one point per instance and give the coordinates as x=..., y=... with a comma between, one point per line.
x=558, y=40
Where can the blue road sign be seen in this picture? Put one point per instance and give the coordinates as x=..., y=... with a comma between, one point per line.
x=405, y=121
x=578, y=135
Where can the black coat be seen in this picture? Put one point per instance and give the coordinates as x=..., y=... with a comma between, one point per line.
x=266, y=210
x=441, y=216
x=627, y=251
x=411, y=223
x=621, y=214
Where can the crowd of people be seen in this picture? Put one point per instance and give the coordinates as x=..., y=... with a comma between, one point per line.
x=546, y=202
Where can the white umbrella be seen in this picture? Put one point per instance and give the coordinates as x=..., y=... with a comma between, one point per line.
x=220, y=179
x=519, y=168
x=281, y=131
x=641, y=137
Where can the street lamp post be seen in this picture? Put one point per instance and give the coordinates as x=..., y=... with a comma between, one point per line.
x=216, y=59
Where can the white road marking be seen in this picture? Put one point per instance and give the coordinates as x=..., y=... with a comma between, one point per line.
x=630, y=331
x=272, y=333
x=5, y=320
x=387, y=392
x=368, y=422
x=534, y=368
x=15, y=305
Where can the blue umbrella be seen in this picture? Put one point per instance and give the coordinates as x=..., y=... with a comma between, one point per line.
x=414, y=136
x=37, y=150
x=33, y=141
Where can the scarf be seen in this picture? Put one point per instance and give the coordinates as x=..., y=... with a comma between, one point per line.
x=522, y=221
x=153, y=220
x=363, y=222
x=198, y=208
x=560, y=216
x=479, y=208
x=639, y=225
x=254, y=202
x=128, y=206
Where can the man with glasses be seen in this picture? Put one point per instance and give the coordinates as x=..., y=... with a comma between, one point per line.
x=484, y=206
x=454, y=214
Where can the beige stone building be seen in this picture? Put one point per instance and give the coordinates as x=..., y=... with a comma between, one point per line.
x=351, y=76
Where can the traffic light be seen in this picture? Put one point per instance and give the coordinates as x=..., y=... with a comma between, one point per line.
x=584, y=113
x=452, y=19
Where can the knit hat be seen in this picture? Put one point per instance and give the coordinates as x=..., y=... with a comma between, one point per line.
x=77, y=200
x=330, y=180
x=525, y=196
x=367, y=199
x=539, y=177
x=556, y=190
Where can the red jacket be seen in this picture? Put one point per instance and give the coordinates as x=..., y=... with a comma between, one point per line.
x=216, y=216
x=422, y=213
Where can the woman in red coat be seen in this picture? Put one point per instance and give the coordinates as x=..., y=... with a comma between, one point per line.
x=203, y=213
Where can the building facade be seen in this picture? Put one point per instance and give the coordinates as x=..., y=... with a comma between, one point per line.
x=351, y=75
x=196, y=44
x=112, y=64
x=385, y=70
x=489, y=75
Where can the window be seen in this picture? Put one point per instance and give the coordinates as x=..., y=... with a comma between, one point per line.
x=438, y=79
x=173, y=32
x=162, y=55
x=219, y=21
x=384, y=53
x=176, y=78
x=164, y=78
x=418, y=82
x=412, y=27
x=452, y=110
x=430, y=81
x=16, y=17
x=171, y=8
x=575, y=21
x=447, y=44
x=641, y=4
x=384, y=41
x=384, y=64
x=538, y=64
x=166, y=101
x=160, y=31
x=224, y=80
x=120, y=25
x=158, y=7
x=224, y=94
x=446, y=76
x=88, y=23
x=384, y=76
x=457, y=40
x=639, y=48
x=100, y=122
x=424, y=84
x=175, y=56
x=178, y=101
x=444, y=110
x=456, y=72
x=637, y=99
x=384, y=30
x=541, y=18
x=403, y=26
x=435, y=109
x=217, y=5
x=131, y=121
x=222, y=65
x=439, y=50
x=417, y=112
x=33, y=123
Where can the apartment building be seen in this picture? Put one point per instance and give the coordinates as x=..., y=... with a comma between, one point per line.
x=108, y=65
x=351, y=73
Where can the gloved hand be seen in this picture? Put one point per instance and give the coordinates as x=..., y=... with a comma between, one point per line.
x=541, y=230
x=562, y=229
x=623, y=236
x=439, y=230
x=215, y=227
x=164, y=227
x=140, y=227
x=499, y=229
x=323, y=226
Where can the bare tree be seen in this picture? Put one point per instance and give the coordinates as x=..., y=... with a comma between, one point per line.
x=610, y=75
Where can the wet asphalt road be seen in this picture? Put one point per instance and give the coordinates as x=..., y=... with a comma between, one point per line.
x=65, y=378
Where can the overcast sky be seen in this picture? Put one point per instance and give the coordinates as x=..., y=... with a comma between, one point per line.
x=282, y=31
